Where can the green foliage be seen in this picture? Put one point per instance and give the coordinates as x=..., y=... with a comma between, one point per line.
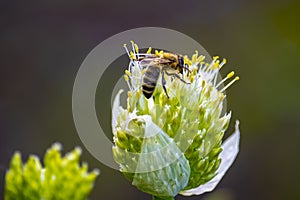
x=62, y=178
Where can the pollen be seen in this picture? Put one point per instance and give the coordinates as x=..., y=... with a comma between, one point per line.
x=138, y=94
x=129, y=93
x=195, y=70
x=144, y=71
x=192, y=78
x=215, y=65
x=126, y=78
x=216, y=57
x=128, y=73
x=158, y=53
x=132, y=55
x=149, y=50
x=187, y=60
x=195, y=59
x=136, y=48
x=230, y=74
x=224, y=61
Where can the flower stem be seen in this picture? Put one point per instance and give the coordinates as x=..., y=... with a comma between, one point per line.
x=158, y=198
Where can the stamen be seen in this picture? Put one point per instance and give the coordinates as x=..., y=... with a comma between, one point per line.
x=136, y=48
x=209, y=66
x=205, y=68
x=133, y=47
x=125, y=46
x=194, y=57
x=216, y=65
x=229, y=84
x=201, y=66
x=215, y=76
x=127, y=81
x=224, y=61
x=200, y=58
x=217, y=71
x=229, y=75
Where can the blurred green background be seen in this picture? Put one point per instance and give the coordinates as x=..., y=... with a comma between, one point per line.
x=42, y=45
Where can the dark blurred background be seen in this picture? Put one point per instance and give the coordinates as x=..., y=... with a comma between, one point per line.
x=43, y=43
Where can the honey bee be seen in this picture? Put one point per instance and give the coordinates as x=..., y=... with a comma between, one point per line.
x=166, y=63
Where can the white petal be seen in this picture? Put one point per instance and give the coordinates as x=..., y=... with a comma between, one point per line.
x=228, y=155
x=115, y=111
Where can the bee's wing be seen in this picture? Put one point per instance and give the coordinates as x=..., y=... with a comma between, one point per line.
x=153, y=60
x=147, y=61
x=164, y=61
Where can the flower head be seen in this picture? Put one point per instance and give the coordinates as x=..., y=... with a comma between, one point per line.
x=62, y=177
x=172, y=142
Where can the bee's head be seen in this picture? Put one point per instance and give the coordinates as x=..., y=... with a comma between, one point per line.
x=181, y=64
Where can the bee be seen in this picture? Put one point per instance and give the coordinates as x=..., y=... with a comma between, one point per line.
x=166, y=63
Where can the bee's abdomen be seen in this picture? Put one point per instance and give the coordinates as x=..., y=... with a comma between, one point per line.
x=149, y=80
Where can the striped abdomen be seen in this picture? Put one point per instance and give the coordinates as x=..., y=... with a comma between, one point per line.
x=150, y=79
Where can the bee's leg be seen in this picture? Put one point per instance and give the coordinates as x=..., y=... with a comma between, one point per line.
x=177, y=76
x=163, y=82
x=187, y=68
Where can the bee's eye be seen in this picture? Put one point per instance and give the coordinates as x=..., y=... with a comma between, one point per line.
x=180, y=62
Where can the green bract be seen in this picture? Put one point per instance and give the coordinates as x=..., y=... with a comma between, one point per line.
x=62, y=178
x=169, y=145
